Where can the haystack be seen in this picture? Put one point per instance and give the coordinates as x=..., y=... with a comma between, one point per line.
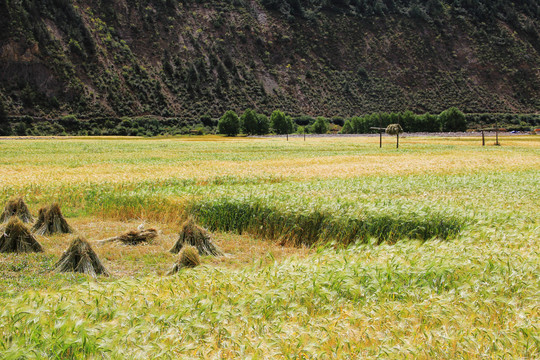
x=80, y=257
x=51, y=221
x=133, y=237
x=194, y=235
x=16, y=238
x=394, y=129
x=16, y=207
x=188, y=258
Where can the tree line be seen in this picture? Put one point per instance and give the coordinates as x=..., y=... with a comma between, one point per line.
x=251, y=123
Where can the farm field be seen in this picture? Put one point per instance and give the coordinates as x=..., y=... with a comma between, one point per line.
x=334, y=249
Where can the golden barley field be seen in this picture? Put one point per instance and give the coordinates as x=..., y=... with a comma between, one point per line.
x=334, y=248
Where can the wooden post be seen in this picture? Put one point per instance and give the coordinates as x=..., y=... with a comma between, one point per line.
x=380, y=130
x=287, y=136
x=304, y=134
x=397, y=140
x=483, y=138
x=496, y=129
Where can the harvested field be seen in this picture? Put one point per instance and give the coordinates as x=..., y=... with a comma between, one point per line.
x=333, y=248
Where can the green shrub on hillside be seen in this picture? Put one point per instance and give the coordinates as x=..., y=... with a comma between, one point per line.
x=207, y=120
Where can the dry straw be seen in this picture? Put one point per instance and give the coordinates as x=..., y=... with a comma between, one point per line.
x=16, y=207
x=394, y=129
x=194, y=235
x=188, y=258
x=133, y=237
x=51, y=221
x=16, y=238
x=80, y=257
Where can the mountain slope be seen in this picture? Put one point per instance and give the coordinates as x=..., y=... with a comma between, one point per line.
x=185, y=59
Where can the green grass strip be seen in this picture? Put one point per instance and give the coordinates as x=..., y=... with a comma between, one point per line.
x=320, y=226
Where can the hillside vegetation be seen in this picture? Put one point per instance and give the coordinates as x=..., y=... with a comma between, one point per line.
x=331, y=58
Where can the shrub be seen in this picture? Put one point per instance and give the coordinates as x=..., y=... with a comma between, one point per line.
x=337, y=120
x=304, y=120
x=229, y=124
x=20, y=128
x=198, y=130
x=70, y=123
x=207, y=120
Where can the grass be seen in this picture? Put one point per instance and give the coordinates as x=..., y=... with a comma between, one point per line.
x=309, y=228
x=430, y=251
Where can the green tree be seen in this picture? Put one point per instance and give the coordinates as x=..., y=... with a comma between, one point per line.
x=263, y=124
x=409, y=121
x=20, y=128
x=5, y=129
x=249, y=122
x=430, y=123
x=453, y=120
x=280, y=123
x=347, y=128
x=229, y=124
x=320, y=126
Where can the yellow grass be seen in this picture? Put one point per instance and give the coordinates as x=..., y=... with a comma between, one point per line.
x=188, y=159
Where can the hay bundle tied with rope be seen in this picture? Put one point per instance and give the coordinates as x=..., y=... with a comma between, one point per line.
x=81, y=258
x=394, y=129
x=133, y=237
x=51, y=221
x=16, y=207
x=194, y=235
x=16, y=238
x=188, y=258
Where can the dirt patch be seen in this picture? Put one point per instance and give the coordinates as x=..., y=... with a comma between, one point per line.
x=154, y=258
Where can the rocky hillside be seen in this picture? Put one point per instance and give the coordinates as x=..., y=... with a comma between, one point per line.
x=315, y=57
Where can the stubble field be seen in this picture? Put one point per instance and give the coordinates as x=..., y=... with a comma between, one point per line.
x=334, y=249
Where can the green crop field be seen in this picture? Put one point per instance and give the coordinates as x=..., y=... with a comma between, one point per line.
x=334, y=249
